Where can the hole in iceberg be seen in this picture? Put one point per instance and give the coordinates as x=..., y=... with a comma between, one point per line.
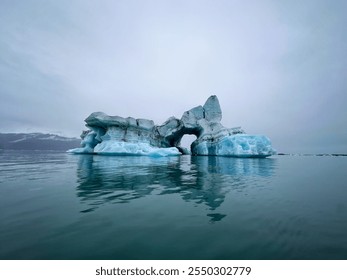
x=187, y=140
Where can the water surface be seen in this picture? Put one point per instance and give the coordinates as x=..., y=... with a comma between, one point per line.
x=60, y=206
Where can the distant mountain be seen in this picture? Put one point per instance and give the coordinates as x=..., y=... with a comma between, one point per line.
x=37, y=141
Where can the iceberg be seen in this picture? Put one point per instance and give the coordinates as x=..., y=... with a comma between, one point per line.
x=114, y=135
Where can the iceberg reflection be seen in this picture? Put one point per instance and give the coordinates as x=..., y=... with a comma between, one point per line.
x=199, y=180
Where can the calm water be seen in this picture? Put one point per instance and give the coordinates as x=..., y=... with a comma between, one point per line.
x=61, y=206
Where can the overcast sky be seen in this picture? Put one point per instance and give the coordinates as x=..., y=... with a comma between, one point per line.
x=279, y=68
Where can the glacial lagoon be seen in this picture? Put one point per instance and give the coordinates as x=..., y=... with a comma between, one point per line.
x=60, y=206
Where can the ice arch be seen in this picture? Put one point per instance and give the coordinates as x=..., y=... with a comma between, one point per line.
x=175, y=140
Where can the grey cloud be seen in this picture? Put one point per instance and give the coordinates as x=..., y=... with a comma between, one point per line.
x=277, y=67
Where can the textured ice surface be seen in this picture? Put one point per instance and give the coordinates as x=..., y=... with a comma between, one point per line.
x=239, y=145
x=88, y=143
x=136, y=149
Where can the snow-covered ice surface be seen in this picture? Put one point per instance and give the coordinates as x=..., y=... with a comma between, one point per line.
x=128, y=149
x=239, y=145
x=136, y=149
